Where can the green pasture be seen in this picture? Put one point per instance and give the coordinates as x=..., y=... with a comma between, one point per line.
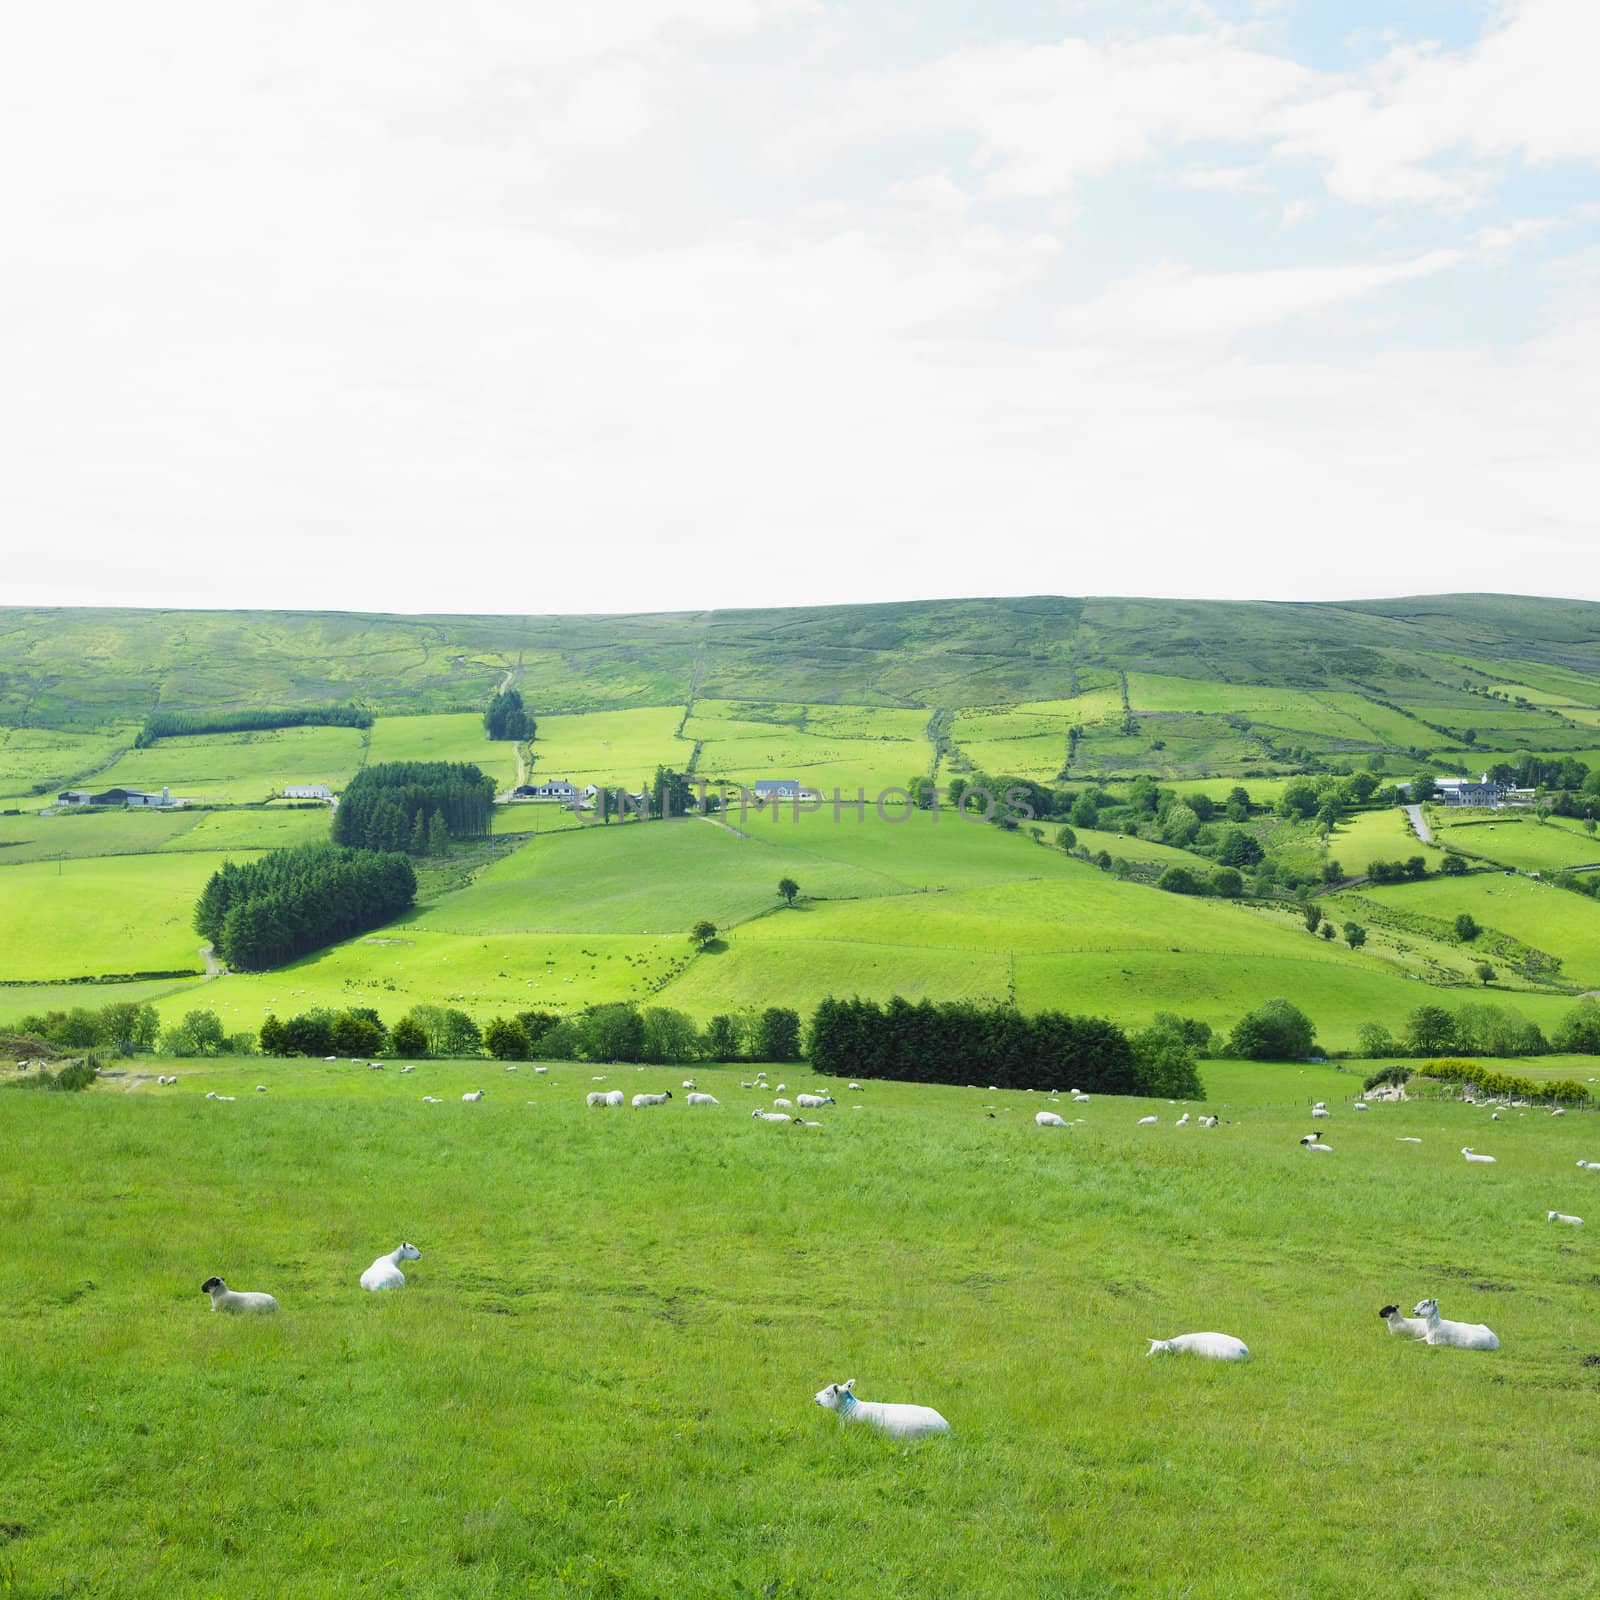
x=73, y=834
x=444, y=736
x=600, y=1376
x=1539, y=914
x=1382, y=834
x=109, y=914
x=608, y=747
x=239, y=766
x=1384, y=724
x=24, y=999
x=1518, y=841
x=275, y=827
x=534, y=816
x=55, y=757
x=1132, y=848
x=484, y=976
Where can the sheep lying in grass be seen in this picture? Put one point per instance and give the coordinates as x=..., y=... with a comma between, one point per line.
x=1457, y=1335
x=640, y=1101
x=225, y=1299
x=1593, y=1166
x=1209, y=1122
x=1048, y=1119
x=897, y=1420
x=385, y=1273
x=1414, y=1326
x=773, y=1116
x=702, y=1100
x=1148, y=1122
x=1209, y=1346
x=1467, y=1151
x=1561, y=1216
x=855, y=1088
x=1313, y=1141
x=472, y=1096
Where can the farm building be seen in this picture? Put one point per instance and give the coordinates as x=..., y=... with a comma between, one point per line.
x=1481, y=791
x=116, y=797
x=782, y=789
x=555, y=789
x=308, y=791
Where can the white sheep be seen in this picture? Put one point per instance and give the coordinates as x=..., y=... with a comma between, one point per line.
x=1467, y=1151
x=541, y=1070
x=771, y=1116
x=1561, y=1216
x=1457, y=1335
x=1048, y=1119
x=899, y=1421
x=1148, y=1122
x=472, y=1096
x=1313, y=1141
x=1209, y=1122
x=787, y=1105
x=261, y=1088
x=385, y=1273
x=702, y=1100
x=642, y=1100
x=1321, y=1111
x=615, y=1097
x=811, y=1102
x=781, y=1087
x=1407, y=1138
x=1210, y=1346
x=1592, y=1166
x=1183, y=1120
x=855, y=1088
x=1415, y=1326
x=688, y=1083
x=1360, y=1105
x=242, y=1301
x=431, y=1100
x=747, y=1086
x=598, y=1097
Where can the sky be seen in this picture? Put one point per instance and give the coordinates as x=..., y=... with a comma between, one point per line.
x=499, y=307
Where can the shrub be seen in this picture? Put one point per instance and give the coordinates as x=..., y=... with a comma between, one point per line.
x=1276, y=1031
x=1387, y=1075
x=407, y=1038
x=1179, y=880
x=506, y=1039
x=1467, y=928
x=1164, y=1066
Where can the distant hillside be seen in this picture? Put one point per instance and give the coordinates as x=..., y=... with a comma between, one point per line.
x=82, y=668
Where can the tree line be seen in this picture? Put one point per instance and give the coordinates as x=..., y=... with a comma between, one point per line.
x=962, y=1042
x=171, y=724
x=507, y=717
x=414, y=806
x=263, y=913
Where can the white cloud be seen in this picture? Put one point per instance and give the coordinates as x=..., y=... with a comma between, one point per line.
x=1172, y=301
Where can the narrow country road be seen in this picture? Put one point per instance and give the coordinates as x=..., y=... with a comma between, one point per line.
x=1415, y=813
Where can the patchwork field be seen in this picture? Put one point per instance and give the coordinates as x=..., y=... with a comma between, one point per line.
x=580, y=1415
x=608, y=747
x=239, y=767
x=457, y=736
x=51, y=759
x=1519, y=841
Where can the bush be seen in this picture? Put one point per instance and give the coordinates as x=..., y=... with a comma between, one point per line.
x=1277, y=1031
x=1453, y=866
x=1565, y=1091
x=1226, y=883
x=1578, y=1032
x=1467, y=928
x=1164, y=1066
x=1180, y=880
x=407, y=1038
x=1398, y=1076
x=506, y=1039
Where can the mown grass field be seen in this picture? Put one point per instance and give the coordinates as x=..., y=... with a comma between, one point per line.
x=444, y=736
x=609, y=747
x=599, y=1378
x=111, y=914
x=1518, y=841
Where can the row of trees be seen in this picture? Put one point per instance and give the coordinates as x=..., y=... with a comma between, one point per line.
x=1565, y=1091
x=963, y=1042
x=1431, y=1030
x=120, y=1027
x=170, y=724
x=507, y=718
x=262, y=913
x=413, y=805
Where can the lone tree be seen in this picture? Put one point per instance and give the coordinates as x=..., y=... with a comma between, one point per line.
x=1485, y=972
x=788, y=888
x=1313, y=917
x=703, y=932
x=1467, y=928
x=1355, y=935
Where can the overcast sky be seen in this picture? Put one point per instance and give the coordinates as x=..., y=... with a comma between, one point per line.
x=668, y=304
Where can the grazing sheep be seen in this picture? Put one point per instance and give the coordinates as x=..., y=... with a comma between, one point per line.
x=330, y=1058
x=385, y=1273
x=897, y=1420
x=615, y=1097
x=688, y=1083
x=855, y=1088
x=1415, y=1326
x=431, y=1100
x=1321, y=1111
x=1457, y=1335
x=1561, y=1216
x=411, y=1068
x=1183, y=1121
x=225, y=1299
x=261, y=1088
x=1593, y=1166
x=512, y=1067
x=787, y=1105
x=702, y=1100
x=1148, y=1122
x=1209, y=1122
x=811, y=1102
x=1313, y=1141
x=1210, y=1346
x=472, y=1096
x=1048, y=1119
x=598, y=1097
x=771, y=1116
x=1487, y=1161
x=541, y=1070
x=642, y=1100
x=1558, y=1112
x=1360, y=1105
x=747, y=1086
x=1407, y=1138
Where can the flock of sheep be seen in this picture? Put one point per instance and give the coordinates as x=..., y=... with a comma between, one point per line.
x=903, y=1421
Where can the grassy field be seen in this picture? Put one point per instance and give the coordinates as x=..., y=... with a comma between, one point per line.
x=455, y=736
x=54, y=758
x=111, y=914
x=239, y=767
x=1518, y=841
x=1384, y=834
x=609, y=747
x=609, y=1391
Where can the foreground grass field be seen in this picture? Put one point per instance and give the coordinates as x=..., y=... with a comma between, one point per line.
x=599, y=1380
